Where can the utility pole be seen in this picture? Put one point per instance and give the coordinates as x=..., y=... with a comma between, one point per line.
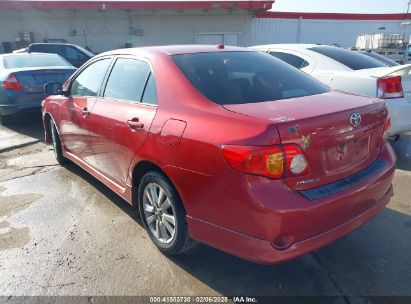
x=406, y=41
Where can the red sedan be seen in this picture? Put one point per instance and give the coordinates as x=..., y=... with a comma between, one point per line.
x=225, y=146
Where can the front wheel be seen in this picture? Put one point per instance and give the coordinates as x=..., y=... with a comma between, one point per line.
x=163, y=215
x=58, y=150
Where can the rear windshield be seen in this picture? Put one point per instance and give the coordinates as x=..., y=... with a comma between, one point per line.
x=33, y=60
x=381, y=58
x=245, y=77
x=351, y=59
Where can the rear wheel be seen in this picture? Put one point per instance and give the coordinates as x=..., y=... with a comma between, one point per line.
x=163, y=215
x=58, y=151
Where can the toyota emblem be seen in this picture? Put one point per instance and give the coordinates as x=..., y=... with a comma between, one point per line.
x=355, y=119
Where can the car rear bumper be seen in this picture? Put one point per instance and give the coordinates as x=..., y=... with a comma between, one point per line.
x=12, y=102
x=252, y=219
x=263, y=252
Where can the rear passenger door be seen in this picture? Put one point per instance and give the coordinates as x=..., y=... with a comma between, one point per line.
x=122, y=116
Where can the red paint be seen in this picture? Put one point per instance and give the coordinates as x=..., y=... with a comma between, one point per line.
x=333, y=16
x=257, y=218
x=135, y=5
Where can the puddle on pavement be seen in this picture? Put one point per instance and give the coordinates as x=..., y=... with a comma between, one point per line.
x=11, y=237
x=10, y=204
x=14, y=238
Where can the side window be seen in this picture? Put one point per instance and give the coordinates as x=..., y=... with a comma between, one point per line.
x=89, y=80
x=293, y=60
x=127, y=80
x=150, y=94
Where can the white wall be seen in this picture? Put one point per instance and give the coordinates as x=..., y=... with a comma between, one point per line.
x=343, y=32
x=109, y=30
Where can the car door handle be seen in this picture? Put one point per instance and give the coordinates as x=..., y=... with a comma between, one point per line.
x=84, y=111
x=135, y=123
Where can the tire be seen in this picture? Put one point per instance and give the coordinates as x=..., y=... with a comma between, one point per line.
x=156, y=214
x=58, y=151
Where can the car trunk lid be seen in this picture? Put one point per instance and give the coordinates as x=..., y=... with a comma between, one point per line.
x=320, y=124
x=33, y=80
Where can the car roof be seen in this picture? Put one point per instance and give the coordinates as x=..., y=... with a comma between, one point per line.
x=52, y=43
x=28, y=54
x=177, y=49
x=291, y=46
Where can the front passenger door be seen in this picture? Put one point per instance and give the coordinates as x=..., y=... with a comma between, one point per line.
x=75, y=113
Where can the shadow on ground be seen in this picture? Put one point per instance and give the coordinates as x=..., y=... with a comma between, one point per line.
x=107, y=192
x=27, y=123
x=402, y=148
x=371, y=261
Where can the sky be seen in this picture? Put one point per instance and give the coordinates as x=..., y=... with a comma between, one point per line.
x=342, y=6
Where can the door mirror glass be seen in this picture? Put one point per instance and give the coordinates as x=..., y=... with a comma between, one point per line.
x=54, y=88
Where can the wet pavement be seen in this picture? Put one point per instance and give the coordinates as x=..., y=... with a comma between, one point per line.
x=64, y=233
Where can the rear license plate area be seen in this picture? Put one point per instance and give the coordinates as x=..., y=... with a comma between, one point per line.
x=346, y=155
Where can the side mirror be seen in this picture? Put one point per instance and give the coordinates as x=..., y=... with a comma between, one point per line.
x=54, y=88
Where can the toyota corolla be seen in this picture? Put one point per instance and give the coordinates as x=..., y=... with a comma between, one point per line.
x=225, y=146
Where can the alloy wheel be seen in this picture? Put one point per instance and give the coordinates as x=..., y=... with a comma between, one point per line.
x=159, y=213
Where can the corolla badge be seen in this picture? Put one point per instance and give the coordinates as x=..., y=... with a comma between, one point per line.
x=355, y=119
x=308, y=181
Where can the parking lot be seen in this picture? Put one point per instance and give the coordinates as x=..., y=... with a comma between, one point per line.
x=63, y=233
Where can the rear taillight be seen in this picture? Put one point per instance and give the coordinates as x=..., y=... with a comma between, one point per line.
x=387, y=126
x=273, y=161
x=296, y=163
x=390, y=88
x=12, y=83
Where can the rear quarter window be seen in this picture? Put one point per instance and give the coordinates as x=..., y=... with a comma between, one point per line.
x=291, y=59
x=350, y=59
x=245, y=77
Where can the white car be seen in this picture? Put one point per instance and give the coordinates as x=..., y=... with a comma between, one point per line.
x=349, y=71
